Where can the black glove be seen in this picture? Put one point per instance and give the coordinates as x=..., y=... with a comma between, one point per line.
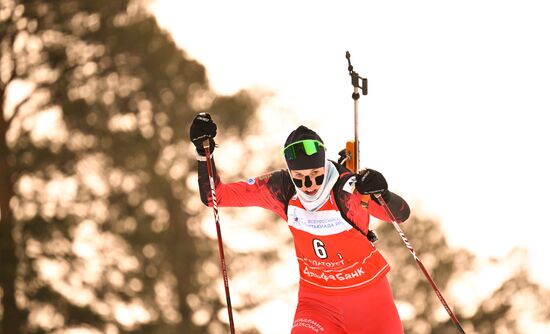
x=371, y=182
x=202, y=128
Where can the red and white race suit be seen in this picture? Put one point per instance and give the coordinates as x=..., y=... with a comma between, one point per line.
x=337, y=262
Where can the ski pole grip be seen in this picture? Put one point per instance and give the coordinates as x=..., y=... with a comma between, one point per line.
x=206, y=143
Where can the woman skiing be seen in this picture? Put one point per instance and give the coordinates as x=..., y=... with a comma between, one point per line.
x=343, y=287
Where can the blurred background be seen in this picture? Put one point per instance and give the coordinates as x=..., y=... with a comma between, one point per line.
x=101, y=226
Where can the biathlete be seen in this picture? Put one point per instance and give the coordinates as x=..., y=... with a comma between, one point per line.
x=343, y=287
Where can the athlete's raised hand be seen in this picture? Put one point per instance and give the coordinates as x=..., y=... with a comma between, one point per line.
x=371, y=182
x=202, y=128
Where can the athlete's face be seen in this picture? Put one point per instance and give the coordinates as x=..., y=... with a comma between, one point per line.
x=308, y=180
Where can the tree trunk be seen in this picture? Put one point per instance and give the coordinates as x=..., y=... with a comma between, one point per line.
x=183, y=260
x=13, y=319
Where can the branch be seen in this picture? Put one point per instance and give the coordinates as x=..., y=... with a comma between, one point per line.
x=17, y=108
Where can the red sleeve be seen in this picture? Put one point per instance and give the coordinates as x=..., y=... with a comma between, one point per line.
x=378, y=211
x=356, y=212
x=268, y=191
x=399, y=208
x=253, y=192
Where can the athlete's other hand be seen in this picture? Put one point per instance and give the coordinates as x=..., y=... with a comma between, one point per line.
x=371, y=182
x=202, y=128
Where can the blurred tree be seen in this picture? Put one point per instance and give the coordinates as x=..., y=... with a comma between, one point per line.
x=99, y=225
x=99, y=222
x=499, y=313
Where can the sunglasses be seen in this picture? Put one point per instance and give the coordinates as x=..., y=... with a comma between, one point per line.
x=308, y=146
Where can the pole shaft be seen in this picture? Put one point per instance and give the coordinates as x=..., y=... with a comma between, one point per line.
x=206, y=145
x=395, y=224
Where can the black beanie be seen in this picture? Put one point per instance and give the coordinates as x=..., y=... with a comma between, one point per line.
x=304, y=161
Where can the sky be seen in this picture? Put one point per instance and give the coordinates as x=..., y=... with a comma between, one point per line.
x=457, y=113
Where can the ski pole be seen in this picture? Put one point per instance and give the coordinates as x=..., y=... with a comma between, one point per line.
x=395, y=224
x=352, y=150
x=206, y=145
